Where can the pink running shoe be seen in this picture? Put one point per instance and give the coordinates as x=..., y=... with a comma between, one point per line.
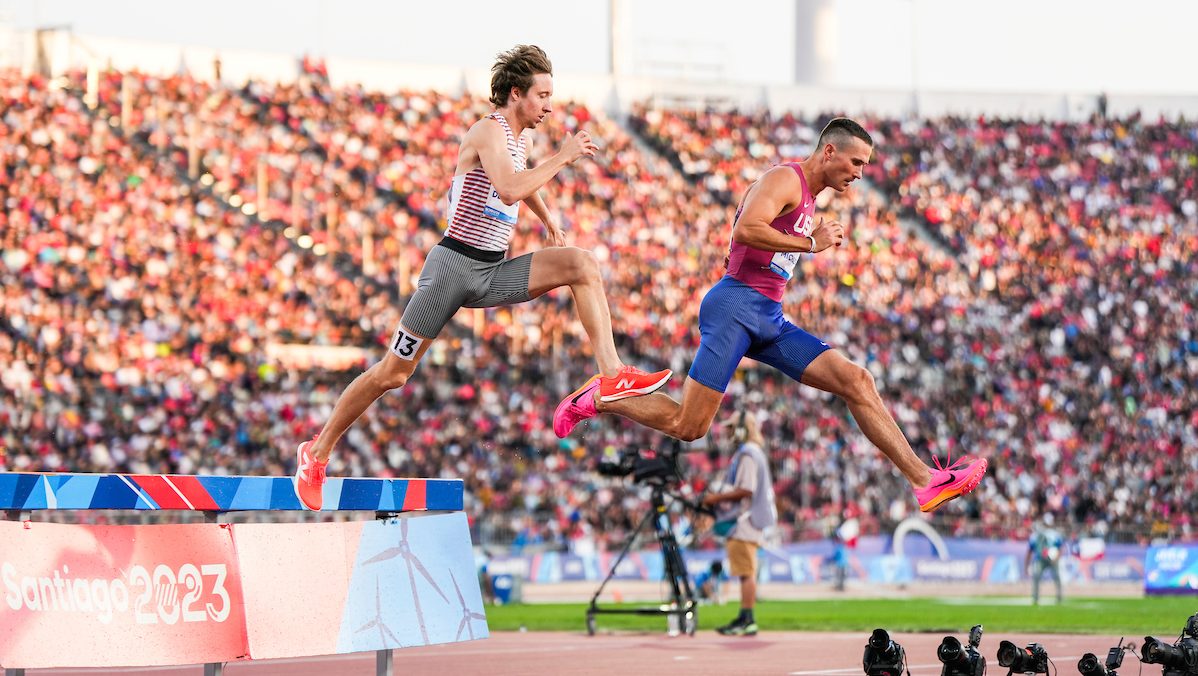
x=578, y=406
x=949, y=483
x=631, y=382
x=309, y=477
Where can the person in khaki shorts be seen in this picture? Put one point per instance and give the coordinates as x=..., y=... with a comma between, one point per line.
x=744, y=512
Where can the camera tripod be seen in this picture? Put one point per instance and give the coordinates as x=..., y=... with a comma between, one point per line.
x=682, y=599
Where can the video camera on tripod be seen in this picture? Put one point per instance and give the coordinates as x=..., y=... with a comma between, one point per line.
x=661, y=471
x=645, y=465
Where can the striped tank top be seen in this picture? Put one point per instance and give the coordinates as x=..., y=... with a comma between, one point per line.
x=476, y=214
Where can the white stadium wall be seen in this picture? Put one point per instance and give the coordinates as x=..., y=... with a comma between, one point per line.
x=597, y=90
x=1017, y=58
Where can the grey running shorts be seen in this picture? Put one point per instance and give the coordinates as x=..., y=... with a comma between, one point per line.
x=454, y=277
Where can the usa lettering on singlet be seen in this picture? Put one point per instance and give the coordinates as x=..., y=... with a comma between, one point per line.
x=476, y=214
x=769, y=271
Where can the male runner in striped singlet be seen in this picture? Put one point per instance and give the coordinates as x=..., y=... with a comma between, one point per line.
x=742, y=316
x=468, y=268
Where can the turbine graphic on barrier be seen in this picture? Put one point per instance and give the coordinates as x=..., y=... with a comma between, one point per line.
x=384, y=631
x=467, y=614
x=404, y=551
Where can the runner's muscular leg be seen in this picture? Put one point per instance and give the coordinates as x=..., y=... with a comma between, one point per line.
x=578, y=269
x=833, y=372
x=686, y=421
x=386, y=375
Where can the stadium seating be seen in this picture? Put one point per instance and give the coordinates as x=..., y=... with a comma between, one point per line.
x=1043, y=319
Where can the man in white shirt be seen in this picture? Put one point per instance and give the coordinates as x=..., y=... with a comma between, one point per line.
x=744, y=512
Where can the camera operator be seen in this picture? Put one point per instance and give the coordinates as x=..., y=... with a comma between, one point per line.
x=745, y=510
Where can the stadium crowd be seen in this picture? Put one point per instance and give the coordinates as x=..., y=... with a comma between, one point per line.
x=1043, y=322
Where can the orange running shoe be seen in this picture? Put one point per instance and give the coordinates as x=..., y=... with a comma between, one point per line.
x=631, y=382
x=309, y=477
x=950, y=483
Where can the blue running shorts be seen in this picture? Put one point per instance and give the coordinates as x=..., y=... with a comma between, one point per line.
x=736, y=320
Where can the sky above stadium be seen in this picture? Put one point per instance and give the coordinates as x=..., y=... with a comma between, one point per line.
x=946, y=45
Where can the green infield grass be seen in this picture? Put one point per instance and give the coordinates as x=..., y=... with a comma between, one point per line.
x=1134, y=617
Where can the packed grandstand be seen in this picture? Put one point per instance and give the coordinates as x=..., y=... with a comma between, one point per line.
x=186, y=265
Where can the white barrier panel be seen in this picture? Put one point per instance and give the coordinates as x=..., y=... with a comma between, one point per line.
x=314, y=589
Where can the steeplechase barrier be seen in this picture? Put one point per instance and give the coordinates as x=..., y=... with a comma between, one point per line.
x=214, y=592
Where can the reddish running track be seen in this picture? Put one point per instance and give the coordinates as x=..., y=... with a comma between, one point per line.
x=779, y=653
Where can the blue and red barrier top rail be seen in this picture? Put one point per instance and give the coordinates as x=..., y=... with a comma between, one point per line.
x=30, y=491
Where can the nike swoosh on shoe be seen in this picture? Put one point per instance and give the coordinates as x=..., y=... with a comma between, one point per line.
x=948, y=481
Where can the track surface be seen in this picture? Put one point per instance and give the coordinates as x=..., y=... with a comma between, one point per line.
x=792, y=653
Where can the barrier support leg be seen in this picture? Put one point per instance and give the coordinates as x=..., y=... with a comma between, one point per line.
x=382, y=662
x=214, y=668
x=16, y=515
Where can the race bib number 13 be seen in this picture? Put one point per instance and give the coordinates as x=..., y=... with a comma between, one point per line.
x=405, y=346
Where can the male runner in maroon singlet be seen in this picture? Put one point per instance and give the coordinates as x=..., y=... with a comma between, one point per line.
x=742, y=316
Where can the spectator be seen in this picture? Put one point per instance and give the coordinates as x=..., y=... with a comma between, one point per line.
x=1044, y=550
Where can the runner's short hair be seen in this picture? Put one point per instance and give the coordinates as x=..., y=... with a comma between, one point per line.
x=839, y=130
x=516, y=68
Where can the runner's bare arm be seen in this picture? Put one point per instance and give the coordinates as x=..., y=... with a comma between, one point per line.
x=552, y=231
x=537, y=204
x=768, y=199
x=488, y=138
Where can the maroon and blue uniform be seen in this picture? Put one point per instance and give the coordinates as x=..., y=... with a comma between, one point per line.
x=741, y=316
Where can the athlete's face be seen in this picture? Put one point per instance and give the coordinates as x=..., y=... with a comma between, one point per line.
x=537, y=102
x=845, y=161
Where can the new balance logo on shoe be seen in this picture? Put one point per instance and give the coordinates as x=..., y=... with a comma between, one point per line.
x=630, y=382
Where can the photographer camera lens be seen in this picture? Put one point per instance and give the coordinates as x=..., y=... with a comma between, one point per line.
x=1030, y=660
x=1088, y=666
x=950, y=651
x=960, y=660
x=883, y=657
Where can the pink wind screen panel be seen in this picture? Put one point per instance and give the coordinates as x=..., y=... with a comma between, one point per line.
x=119, y=595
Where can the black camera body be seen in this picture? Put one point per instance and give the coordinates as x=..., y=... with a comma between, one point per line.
x=645, y=465
x=883, y=657
x=1088, y=665
x=1179, y=659
x=1030, y=660
x=959, y=660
